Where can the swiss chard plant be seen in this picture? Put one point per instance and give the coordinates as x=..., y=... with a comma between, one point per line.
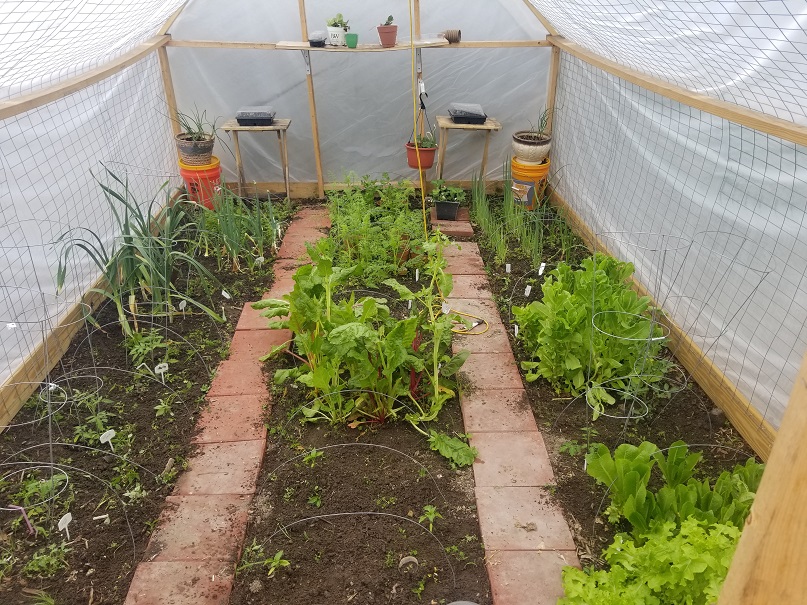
x=592, y=332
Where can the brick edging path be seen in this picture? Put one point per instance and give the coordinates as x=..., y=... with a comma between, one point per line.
x=191, y=555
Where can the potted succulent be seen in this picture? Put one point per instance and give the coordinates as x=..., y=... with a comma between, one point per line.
x=387, y=33
x=426, y=148
x=533, y=145
x=195, y=142
x=337, y=27
x=446, y=200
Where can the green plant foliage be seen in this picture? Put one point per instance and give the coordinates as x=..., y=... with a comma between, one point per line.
x=47, y=561
x=627, y=475
x=621, y=354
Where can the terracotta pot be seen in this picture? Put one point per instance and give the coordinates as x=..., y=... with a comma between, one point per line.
x=387, y=35
x=530, y=146
x=426, y=156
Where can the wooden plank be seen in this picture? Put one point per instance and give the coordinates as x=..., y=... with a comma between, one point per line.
x=296, y=45
x=170, y=21
x=309, y=189
x=540, y=16
x=54, y=93
x=446, y=122
x=416, y=17
x=734, y=113
x=552, y=87
x=738, y=409
x=769, y=563
x=168, y=86
x=278, y=124
x=222, y=44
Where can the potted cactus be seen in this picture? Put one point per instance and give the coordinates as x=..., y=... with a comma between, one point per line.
x=387, y=33
x=337, y=28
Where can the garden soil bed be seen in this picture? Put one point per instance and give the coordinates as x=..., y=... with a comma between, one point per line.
x=566, y=425
x=103, y=551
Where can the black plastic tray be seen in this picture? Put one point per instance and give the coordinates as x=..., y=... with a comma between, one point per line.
x=255, y=121
x=468, y=119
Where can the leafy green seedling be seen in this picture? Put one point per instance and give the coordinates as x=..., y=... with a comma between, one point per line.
x=311, y=457
x=430, y=514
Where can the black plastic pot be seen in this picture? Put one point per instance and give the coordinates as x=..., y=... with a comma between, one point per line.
x=447, y=211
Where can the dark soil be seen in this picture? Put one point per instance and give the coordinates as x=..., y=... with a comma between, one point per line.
x=368, y=489
x=112, y=517
x=565, y=422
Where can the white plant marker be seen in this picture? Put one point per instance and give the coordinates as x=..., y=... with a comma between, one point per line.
x=259, y=260
x=104, y=517
x=527, y=290
x=64, y=522
x=585, y=464
x=107, y=438
x=226, y=294
x=223, y=316
x=417, y=274
x=161, y=369
x=507, y=268
x=541, y=269
x=410, y=303
x=445, y=308
x=182, y=304
x=11, y=325
x=515, y=329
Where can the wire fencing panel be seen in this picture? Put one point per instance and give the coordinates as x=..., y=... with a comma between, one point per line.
x=52, y=158
x=713, y=215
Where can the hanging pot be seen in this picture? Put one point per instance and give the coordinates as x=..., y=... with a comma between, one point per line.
x=426, y=156
x=531, y=146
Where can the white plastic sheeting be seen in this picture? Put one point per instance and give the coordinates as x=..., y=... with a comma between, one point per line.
x=46, y=188
x=713, y=215
x=364, y=102
x=749, y=52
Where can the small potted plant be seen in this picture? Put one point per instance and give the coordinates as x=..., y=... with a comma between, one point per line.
x=387, y=33
x=426, y=149
x=533, y=145
x=195, y=142
x=446, y=200
x=337, y=28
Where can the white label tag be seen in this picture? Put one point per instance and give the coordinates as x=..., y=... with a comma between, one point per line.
x=445, y=308
x=541, y=269
x=226, y=294
x=182, y=305
x=64, y=522
x=107, y=438
x=260, y=260
x=515, y=329
x=161, y=369
x=527, y=290
x=507, y=268
x=410, y=304
x=417, y=274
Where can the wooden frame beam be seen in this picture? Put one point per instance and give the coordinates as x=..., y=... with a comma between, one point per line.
x=747, y=420
x=544, y=21
x=734, y=113
x=282, y=45
x=69, y=86
x=552, y=87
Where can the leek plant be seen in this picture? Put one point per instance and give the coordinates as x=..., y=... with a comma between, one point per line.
x=139, y=266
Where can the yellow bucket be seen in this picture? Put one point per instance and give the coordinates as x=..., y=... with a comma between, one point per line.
x=527, y=179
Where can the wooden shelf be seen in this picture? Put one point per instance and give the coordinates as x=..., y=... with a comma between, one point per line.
x=283, y=45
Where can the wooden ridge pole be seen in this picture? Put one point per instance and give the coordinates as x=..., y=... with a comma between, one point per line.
x=745, y=417
x=312, y=103
x=771, y=558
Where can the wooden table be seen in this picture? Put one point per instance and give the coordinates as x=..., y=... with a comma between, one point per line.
x=445, y=123
x=278, y=126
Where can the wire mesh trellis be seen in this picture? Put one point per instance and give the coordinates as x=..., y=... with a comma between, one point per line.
x=637, y=162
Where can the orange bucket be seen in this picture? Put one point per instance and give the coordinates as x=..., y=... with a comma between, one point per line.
x=527, y=177
x=202, y=181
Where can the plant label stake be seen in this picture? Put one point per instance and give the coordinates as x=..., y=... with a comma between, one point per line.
x=410, y=304
x=515, y=329
x=417, y=274
x=226, y=294
x=507, y=268
x=64, y=522
x=107, y=438
x=31, y=530
x=161, y=369
x=182, y=305
x=259, y=261
x=541, y=269
x=445, y=308
x=527, y=290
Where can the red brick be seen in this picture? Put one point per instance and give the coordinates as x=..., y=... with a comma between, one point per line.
x=491, y=410
x=181, y=583
x=239, y=377
x=294, y=244
x=316, y=217
x=521, y=518
x=533, y=577
x=200, y=528
x=471, y=286
x=464, y=259
x=237, y=418
x=453, y=228
x=492, y=371
x=249, y=345
x=251, y=319
x=491, y=340
x=283, y=284
x=222, y=468
x=511, y=459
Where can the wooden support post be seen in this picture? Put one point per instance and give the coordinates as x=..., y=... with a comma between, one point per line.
x=168, y=86
x=312, y=102
x=416, y=18
x=552, y=87
x=771, y=558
